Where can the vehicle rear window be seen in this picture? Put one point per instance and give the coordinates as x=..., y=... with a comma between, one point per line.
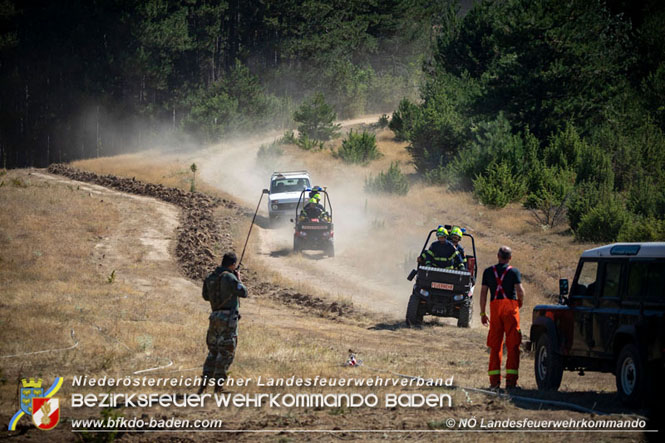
x=288, y=185
x=656, y=290
x=646, y=280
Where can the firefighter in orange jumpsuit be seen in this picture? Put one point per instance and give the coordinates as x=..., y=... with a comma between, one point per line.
x=506, y=297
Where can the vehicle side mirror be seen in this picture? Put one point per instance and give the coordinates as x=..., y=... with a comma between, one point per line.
x=266, y=191
x=412, y=274
x=291, y=220
x=563, y=287
x=563, y=291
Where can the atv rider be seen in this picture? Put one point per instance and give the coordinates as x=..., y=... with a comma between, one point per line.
x=313, y=209
x=315, y=191
x=441, y=253
x=455, y=236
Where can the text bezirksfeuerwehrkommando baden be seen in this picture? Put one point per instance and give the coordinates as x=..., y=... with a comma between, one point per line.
x=273, y=400
x=259, y=400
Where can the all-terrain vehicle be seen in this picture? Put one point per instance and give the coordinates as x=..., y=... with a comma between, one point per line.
x=443, y=292
x=612, y=321
x=314, y=230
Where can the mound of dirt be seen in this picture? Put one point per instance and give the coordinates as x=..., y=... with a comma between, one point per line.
x=198, y=232
x=299, y=300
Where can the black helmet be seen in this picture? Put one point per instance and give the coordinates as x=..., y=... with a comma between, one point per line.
x=315, y=190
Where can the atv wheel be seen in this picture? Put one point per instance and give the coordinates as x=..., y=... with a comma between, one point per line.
x=547, y=364
x=465, y=314
x=414, y=311
x=631, y=376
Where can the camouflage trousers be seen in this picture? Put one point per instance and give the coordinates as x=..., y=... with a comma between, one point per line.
x=221, y=339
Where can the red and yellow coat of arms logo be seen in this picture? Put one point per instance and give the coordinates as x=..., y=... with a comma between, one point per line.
x=46, y=412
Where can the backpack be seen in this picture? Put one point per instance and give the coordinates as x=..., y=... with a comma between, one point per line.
x=213, y=286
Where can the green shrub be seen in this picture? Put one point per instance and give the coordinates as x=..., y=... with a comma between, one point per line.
x=499, y=186
x=441, y=175
x=289, y=138
x=604, y=222
x=646, y=197
x=316, y=119
x=236, y=101
x=391, y=181
x=211, y=112
x=404, y=119
x=384, y=121
x=492, y=141
x=269, y=152
x=564, y=148
x=439, y=131
x=643, y=229
x=347, y=84
x=584, y=197
x=595, y=165
x=304, y=142
x=549, y=190
x=358, y=148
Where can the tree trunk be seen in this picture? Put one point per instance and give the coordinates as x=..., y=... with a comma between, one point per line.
x=98, y=141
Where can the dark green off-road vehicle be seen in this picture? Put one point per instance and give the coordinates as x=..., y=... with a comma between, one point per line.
x=612, y=321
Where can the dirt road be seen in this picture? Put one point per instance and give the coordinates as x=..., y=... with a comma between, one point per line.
x=359, y=271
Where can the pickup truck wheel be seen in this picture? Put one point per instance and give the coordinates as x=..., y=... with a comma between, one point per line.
x=414, y=311
x=296, y=245
x=331, y=251
x=465, y=314
x=631, y=376
x=548, y=365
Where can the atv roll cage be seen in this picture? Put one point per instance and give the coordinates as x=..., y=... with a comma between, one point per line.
x=443, y=292
x=326, y=201
x=314, y=233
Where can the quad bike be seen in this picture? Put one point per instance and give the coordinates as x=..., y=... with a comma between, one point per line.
x=443, y=292
x=314, y=231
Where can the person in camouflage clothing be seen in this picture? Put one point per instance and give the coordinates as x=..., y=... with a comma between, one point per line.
x=222, y=288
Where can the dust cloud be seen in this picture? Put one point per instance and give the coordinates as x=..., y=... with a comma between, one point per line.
x=372, y=258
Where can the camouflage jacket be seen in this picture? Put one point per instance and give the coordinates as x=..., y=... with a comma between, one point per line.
x=223, y=289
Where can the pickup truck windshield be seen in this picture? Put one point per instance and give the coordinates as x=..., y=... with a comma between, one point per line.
x=288, y=185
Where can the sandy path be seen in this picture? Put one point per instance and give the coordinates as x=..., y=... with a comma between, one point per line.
x=232, y=168
x=139, y=251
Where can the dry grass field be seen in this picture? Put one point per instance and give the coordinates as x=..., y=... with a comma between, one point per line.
x=76, y=257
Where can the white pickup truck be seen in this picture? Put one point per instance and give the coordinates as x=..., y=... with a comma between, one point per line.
x=285, y=189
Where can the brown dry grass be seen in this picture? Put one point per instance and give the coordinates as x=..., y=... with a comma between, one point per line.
x=151, y=167
x=55, y=279
x=124, y=327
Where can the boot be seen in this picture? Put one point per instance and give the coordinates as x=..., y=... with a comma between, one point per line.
x=511, y=383
x=495, y=382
